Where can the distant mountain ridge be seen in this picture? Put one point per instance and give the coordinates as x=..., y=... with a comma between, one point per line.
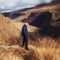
x=56, y=1
x=34, y=12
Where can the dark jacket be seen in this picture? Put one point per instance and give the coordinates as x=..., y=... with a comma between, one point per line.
x=24, y=31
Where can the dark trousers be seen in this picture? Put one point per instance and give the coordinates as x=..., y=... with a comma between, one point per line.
x=25, y=42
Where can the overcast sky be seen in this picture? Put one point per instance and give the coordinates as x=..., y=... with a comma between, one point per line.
x=9, y=5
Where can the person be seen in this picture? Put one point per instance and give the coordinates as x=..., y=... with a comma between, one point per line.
x=25, y=34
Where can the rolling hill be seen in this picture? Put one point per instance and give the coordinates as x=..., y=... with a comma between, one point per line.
x=33, y=13
x=10, y=31
x=44, y=33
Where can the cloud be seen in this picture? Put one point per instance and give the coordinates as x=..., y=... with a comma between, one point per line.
x=31, y=1
x=47, y=1
x=8, y=5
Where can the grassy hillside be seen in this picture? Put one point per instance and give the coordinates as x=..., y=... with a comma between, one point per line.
x=10, y=31
x=40, y=48
x=44, y=35
x=33, y=13
x=48, y=49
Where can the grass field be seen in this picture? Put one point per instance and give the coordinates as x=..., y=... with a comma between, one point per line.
x=47, y=49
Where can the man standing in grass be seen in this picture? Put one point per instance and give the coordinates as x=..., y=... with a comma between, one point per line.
x=25, y=34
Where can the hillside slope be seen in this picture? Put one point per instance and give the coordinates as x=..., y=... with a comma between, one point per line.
x=48, y=49
x=40, y=48
x=10, y=31
x=37, y=9
x=33, y=13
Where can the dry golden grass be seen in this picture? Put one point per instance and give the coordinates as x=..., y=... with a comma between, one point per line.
x=10, y=31
x=48, y=49
x=39, y=49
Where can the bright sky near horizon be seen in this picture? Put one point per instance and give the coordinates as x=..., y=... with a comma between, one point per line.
x=9, y=5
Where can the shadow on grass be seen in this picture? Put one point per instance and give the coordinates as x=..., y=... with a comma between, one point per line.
x=44, y=21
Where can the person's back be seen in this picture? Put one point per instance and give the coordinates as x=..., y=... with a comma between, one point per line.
x=25, y=35
x=24, y=31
